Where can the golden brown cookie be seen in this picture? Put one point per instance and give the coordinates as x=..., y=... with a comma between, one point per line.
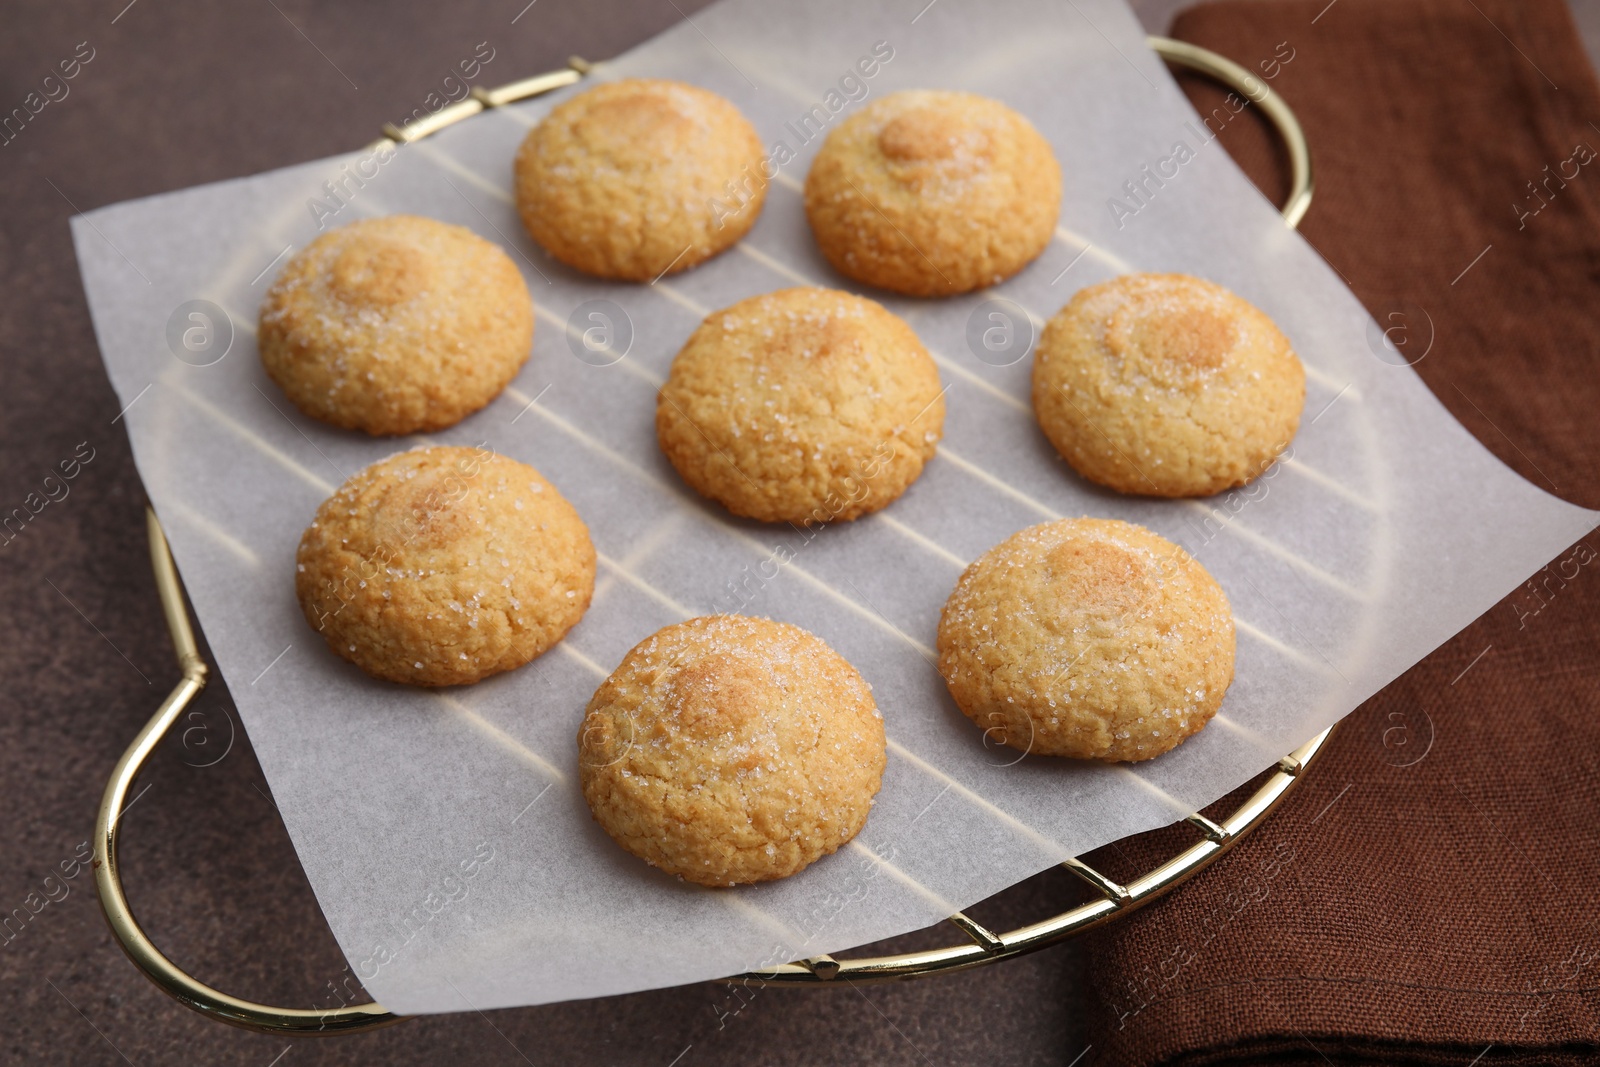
x=1166, y=385
x=640, y=177
x=933, y=193
x=1089, y=638
x=729, y=749
x=441, y=566
x=802, y=405
x=396, y=325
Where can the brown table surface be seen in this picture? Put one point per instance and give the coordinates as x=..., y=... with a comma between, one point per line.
x=180, y=93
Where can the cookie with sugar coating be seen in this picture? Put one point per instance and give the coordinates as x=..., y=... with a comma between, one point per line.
x=729, y=749
x=801, y=405
x=442, y=566
x=1166, y=385
x=641, y=177
x=396, y=325
x=932, y=193
x=1089, y=638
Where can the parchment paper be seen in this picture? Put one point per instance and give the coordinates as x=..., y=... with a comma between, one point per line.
x=444, y=834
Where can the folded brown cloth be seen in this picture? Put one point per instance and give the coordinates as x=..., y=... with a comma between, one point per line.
x=1428, y=894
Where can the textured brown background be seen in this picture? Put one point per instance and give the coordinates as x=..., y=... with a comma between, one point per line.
x=183, y=93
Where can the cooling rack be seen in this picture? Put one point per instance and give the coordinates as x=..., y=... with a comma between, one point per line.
x=980, y=946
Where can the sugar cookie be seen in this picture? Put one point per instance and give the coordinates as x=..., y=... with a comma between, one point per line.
x=441, y=566
x=933, y=193
x=730, y=749
x=640, y=177
x=1089, y=638
x=1166, y=385
x=803, y=405
x=396, y=325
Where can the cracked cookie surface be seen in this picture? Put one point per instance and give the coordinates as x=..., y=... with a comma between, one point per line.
x=1089, y=638
x=803, y=405
x=396, y=325
x=442, y=566
x=1166, y=385
x=640, y=177
x=932, y=193
x=730, y=749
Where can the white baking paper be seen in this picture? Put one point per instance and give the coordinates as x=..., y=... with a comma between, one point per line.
x=443, y=832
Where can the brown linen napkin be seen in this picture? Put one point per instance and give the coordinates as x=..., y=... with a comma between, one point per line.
x=1428, y=894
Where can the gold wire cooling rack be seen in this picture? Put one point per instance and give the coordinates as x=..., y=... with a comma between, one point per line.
x=983, y=946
